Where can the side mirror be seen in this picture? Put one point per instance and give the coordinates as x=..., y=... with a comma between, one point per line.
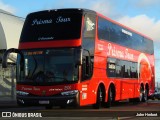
x=6, y=54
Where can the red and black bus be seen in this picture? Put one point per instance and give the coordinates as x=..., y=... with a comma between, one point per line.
x=80, y=57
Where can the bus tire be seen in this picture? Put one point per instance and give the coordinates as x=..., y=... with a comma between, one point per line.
x=145, y=96
x=141, y=95
x=97, y=105
x=110, y=98
x=140, y=98
x=48, y=106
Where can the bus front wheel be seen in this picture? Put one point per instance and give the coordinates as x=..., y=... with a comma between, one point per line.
x=100, y=98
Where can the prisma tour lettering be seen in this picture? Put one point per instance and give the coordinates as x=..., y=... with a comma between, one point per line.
x=41, y=22
x=125, y=54
x=60, y=19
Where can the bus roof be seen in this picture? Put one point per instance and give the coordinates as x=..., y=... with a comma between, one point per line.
x=76, y=10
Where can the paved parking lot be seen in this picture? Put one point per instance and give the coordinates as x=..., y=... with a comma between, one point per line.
x=121, y=110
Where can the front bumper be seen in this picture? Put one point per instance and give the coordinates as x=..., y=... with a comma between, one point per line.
x=58, y=100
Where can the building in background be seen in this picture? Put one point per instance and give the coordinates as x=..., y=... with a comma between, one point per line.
x=10, y=29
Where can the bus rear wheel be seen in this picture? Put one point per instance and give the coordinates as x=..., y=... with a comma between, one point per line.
x=141, y=95
x=110, y=98
x=145, y=96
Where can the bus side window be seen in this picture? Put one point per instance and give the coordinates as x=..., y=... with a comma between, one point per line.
x=134, y=73
x=111, y=67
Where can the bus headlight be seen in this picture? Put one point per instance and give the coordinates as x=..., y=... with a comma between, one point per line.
x=73, y=92
x=22, y=93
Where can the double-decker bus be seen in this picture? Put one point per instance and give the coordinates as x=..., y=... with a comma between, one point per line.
x=80, y=57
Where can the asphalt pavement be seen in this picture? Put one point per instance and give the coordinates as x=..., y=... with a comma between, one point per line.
x=122, y=109
x=7, y=102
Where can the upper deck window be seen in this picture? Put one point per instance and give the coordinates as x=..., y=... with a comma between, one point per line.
x=51, y=25
x=120, y=35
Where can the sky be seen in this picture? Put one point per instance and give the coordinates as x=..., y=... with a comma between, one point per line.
x=141, y=15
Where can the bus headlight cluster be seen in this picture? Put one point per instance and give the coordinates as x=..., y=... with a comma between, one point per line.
x=22, y=93
x=73, y=92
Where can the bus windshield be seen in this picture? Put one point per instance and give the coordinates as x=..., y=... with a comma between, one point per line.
x=49, y=65
x=51, y=25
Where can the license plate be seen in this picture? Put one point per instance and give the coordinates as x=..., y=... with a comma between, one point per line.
x=44, y=102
